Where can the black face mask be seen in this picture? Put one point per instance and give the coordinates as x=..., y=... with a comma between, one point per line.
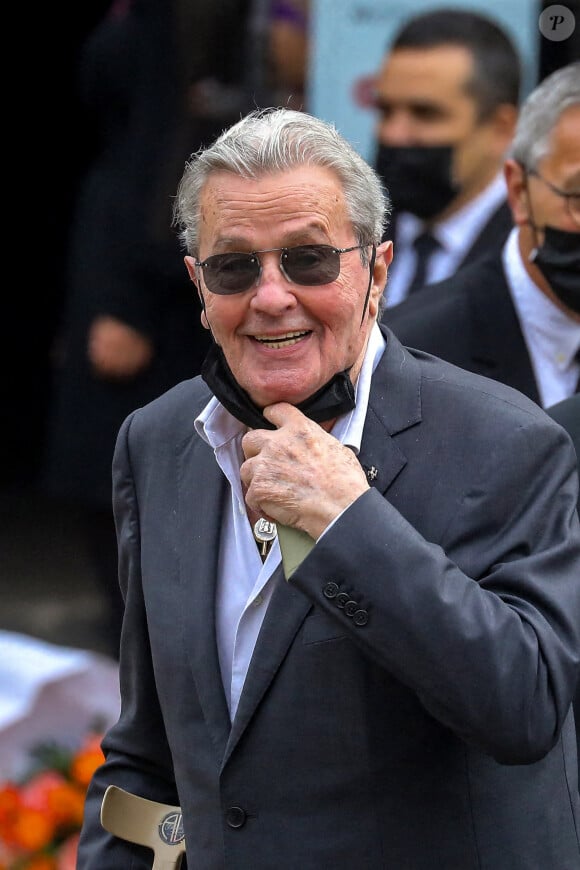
x=558, y=259
x=417, y=177
x=330, y=401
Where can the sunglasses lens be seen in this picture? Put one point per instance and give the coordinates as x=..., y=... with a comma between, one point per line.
x=230, y=273
x=311, y=264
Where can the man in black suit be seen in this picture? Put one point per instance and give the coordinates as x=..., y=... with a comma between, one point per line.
x=447, y=96
x=400, y=695
x=515, y=316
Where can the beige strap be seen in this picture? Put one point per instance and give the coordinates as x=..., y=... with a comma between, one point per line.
x=147, y=823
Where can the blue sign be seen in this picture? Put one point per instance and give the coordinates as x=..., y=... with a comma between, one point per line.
x=349, y=38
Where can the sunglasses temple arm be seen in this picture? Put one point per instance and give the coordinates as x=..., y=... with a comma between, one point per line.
x=371, y=267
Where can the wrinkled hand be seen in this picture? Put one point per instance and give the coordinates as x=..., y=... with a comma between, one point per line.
x=299, y=475
x=117, y=350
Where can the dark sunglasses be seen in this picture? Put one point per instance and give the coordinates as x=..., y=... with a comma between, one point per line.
x=309, y=265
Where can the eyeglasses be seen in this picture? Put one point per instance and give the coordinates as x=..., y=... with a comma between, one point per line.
x=572, y=199
x=308, y=265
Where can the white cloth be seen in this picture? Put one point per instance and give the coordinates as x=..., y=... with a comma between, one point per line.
x=50, y=693
x=551, y=336
x=455, y=236
x=244, y=588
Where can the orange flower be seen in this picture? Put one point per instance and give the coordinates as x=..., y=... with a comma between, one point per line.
x=31, y=830
x=37, y=790
x=87, y=759
x=9, y=803
x=60, y=800
x=40, y=820
x=66, y=804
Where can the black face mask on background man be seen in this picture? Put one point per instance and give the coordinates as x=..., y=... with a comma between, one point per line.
x=418, y=178
x=558, y=259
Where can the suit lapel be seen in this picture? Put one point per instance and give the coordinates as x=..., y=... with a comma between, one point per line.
x=394, y=405
x=201, y=493
x=492, y=235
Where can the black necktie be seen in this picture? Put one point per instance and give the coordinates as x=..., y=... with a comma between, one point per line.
x=577, y=358
x=425, y=246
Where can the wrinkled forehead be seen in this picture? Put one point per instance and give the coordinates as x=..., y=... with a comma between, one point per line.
x=285, y=202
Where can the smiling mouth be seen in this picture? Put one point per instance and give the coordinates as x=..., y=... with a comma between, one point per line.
x=276, y=341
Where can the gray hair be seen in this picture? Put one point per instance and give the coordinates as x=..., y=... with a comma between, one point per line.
x=541, y=112
x=273, y=140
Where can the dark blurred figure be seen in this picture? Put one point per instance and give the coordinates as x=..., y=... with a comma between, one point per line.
x=30, y=314
x=557, y=52
x=447, y=96
x=131, y=326
x=288, y=48
x=515, y=315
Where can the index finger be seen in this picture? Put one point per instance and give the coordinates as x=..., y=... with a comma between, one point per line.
x=281, y=413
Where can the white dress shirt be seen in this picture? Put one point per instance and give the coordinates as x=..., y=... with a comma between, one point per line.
x=455, y=236
x=244, y=586
x=552, y=337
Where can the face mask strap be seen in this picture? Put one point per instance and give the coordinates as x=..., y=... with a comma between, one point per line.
x=530, y=221
x=371, y=268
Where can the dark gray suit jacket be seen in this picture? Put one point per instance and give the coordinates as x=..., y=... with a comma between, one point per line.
x=407, y=704
x=492, y=235
x=567, y=414
x=469, y=320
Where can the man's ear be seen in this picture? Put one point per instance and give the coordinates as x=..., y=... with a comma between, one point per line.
x=190, y=266
x=517, y=191
x=383, y=260
x=503, y=122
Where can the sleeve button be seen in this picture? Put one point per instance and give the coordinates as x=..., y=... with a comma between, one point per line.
x=330, y=589
x=361, y=617
x=351, y=607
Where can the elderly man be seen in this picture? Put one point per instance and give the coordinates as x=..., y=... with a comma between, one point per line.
x=399, y=694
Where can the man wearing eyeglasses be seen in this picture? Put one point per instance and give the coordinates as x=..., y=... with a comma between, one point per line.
x=352, y=623
x=515, y=316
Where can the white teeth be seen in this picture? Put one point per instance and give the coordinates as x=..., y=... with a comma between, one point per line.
x=281, y=340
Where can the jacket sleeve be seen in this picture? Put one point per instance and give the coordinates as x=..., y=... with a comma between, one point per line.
x=483, y=624
x=136, y=750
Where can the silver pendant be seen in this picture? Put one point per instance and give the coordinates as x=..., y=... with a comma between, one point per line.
x=264, y=533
